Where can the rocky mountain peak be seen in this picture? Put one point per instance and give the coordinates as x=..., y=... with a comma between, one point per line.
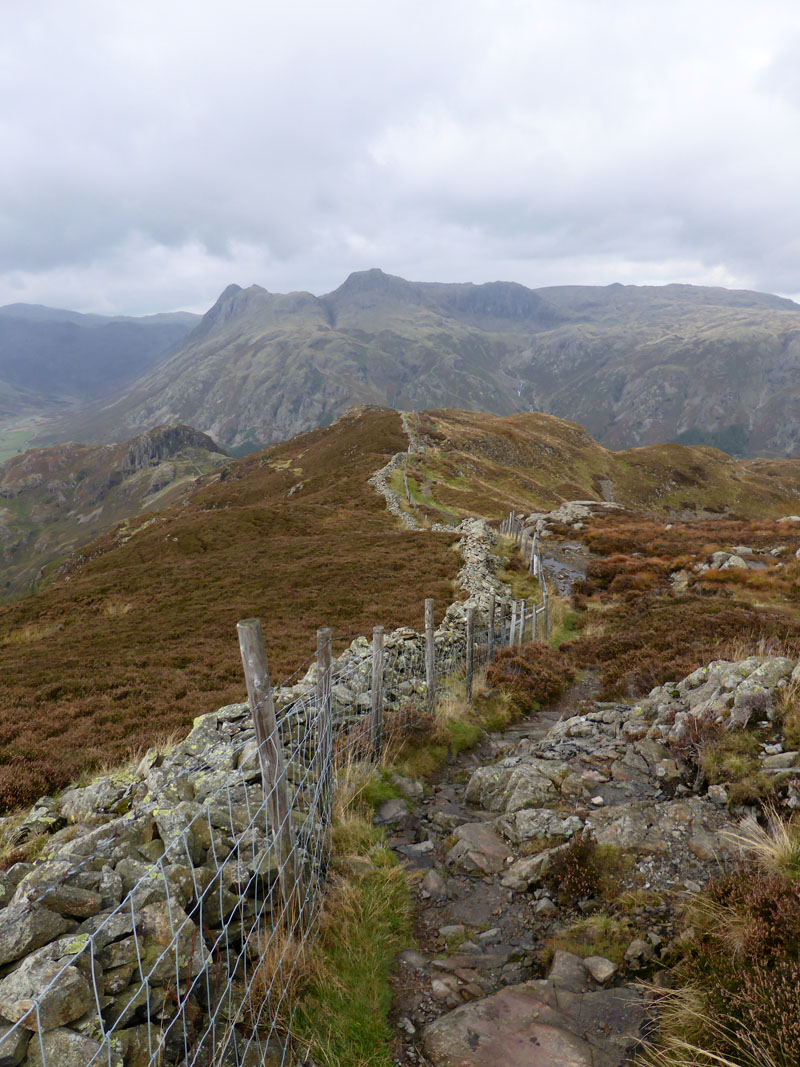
x=163, y=442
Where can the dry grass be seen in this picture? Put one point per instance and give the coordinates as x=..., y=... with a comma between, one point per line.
x=285, y=963
x=739, y=962
x=645, y=639
x=789, y=714
x=775, y=849
x=686, y=1027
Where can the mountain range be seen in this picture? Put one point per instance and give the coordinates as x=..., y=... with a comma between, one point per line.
x=635, y=365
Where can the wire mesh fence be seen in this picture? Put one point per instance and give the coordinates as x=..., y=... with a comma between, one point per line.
x=169, y=929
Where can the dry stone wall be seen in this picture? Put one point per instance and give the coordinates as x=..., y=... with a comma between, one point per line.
x=117, y=940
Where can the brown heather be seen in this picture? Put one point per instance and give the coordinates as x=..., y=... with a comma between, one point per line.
x=746, y=959
x=139, y=637
x=532, y=673
x=638, y=634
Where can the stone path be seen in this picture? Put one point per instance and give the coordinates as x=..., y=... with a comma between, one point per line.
x=476, y=993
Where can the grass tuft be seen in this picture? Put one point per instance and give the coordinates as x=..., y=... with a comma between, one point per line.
x=774, y=849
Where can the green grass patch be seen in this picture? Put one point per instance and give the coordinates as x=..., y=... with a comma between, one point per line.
x=14, y=441
x=343, y=1013
x=464, y=734
x=340, y=992
x=599, y=935
x=379, y=789
x=565, y=630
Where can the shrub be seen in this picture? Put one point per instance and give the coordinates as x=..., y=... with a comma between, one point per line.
x=533, y=673
x=582, y=869
x=649, y=639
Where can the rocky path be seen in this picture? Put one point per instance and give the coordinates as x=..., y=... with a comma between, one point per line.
x=477, y=992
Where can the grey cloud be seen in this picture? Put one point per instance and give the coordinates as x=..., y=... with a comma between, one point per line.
x=153, y=154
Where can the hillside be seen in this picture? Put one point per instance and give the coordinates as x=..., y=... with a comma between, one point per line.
x=138, y=637
x=474, y=463
x=635, y=365
x=54, y=500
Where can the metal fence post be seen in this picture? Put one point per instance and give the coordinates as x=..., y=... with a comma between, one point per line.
x=377, y=693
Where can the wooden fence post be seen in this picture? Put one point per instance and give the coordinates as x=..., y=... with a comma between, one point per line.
x=490, y=632
x=470, y=651
x=430, y=655
x=377, y=693
x=512, y=637
x=522, y=620
x=273, y=769
x=322, y=754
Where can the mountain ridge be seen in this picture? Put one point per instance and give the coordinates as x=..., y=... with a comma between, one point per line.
x=636, y=365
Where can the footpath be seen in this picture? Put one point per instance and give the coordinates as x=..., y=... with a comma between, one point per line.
x=478, y=992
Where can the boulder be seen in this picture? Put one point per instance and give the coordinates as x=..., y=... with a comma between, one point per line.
x=49, y=983
x=68, y=1049
x=24, y=928
x=478, y=848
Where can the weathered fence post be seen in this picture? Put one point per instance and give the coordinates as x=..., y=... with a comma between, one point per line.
x=546, y=599
x=322, y=755
x=470, y=650
x=490, y=631
x=512, y=637
x=430, y=655
x=273, y=769
x=377, y=693
x=523, y=607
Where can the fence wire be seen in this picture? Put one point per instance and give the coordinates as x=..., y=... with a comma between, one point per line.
x=173, y=934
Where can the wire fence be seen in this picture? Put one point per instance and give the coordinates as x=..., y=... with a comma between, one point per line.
x=168, y=927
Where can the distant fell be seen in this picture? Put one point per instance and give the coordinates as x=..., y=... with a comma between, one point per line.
x=635, y=365
x=54, y=357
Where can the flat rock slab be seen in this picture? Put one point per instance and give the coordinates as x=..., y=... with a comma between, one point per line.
x=537, y=1025
x=511, y=1027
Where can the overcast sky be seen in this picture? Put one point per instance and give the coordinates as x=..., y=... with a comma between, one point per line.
x=154, y=152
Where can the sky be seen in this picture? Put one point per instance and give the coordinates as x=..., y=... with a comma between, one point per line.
x=154, y=152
